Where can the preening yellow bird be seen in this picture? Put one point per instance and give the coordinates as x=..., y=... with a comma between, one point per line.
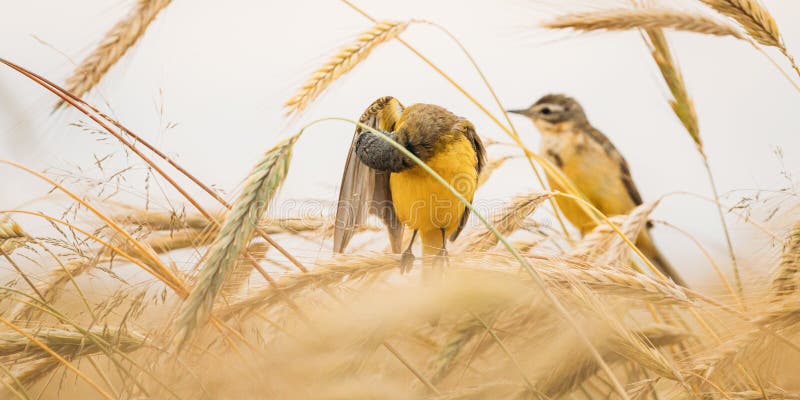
x=380, y=180
x=589, y=159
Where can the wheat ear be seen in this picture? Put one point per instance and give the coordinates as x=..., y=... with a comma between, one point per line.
x=11, y=236
x=752, y=17
x=623, y=19
x=343, y=62
x=508, y=221
x=786, y=280
x=756, y=20
x=571, y=372
x=261, y=186
x=113, y=46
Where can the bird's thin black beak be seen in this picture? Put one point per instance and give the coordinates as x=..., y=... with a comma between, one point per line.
x=524, y=111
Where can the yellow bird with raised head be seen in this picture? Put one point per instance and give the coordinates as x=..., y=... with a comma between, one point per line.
x=589, y=159
x=380, y=180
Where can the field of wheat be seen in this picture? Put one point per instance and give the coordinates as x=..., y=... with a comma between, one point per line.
x=180, y=300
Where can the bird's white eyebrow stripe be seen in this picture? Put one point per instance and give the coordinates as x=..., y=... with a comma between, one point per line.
x=552, y=107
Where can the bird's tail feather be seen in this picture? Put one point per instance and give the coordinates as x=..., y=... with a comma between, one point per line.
x=646, y=245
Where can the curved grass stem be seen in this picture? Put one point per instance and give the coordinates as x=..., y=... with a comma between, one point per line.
x=161, y=271
x=708, y=257
x=85, y=108
x=725, y=230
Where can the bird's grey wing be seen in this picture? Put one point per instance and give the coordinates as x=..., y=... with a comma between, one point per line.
x=364, y=190
x=480, y=152
x=625, y=172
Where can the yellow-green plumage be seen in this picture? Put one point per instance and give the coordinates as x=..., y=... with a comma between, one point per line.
x=594, y=166
x=596, y=175
x=423, y=203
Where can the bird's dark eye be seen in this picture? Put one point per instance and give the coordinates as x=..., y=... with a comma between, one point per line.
x=546, y=111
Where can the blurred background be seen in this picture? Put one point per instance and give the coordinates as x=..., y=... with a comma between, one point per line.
x=206, y=84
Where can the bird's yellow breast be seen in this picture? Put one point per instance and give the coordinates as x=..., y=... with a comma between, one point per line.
x=592, y=171
x=422, y=203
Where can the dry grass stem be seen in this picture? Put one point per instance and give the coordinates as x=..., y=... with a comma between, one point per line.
x=59, y=277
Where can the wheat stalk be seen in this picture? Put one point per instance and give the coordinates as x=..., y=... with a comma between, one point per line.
x=65, y=341
x=492, y=390
x=72, y=269
x=565, y=272
x=683, y=108
x=558, y=272
x=113, y=46
x=509, y=319
x=165, y=221
x=260, y=187
x=623, y=19
x=10, y=230
x=752, y=17
x=777, y=317
x=508, y=221
x=242, y=270
x=34, y=363
x=681, y=103
x=572, y=371
x=756, y=20
x=11, y=236
x=324, y=273
x=617, y=281
x=603, y=246
x=167, y=242
x=786, y=280
x=771, y=394
x=343, y=62
x=441, y=365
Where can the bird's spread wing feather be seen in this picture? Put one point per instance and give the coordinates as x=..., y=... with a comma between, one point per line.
x=468, y=130
x=365, y=190
x=615, y=155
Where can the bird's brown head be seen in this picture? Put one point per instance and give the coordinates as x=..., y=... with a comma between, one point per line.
x=553, y=110
x=425, y=128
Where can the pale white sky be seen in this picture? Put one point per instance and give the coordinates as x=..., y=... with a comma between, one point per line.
x=221, y=74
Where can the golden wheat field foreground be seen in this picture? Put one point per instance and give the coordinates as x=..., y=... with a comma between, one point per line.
x=168, y=288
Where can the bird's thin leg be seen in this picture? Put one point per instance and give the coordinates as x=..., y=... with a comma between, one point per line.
x=442, y=256
x=407, y=260
x=443, y=250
